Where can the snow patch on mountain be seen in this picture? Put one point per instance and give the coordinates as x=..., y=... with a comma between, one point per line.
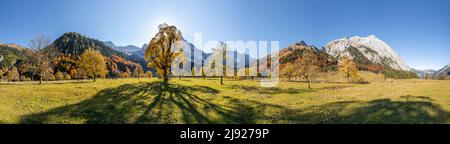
x=129, y=49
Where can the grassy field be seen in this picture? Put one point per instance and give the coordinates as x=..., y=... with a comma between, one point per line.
x=206, y=101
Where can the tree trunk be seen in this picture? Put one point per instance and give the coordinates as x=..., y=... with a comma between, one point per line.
x=165, y=80
x=95, y=76
x=40, y=80
x=309, y=83
x=221, y=80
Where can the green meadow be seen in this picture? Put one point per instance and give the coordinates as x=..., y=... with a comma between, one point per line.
x=206, y=101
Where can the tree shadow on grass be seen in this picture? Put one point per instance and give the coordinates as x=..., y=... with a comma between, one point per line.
x=381, y=111
x=410, y=97
x=270, y=90
x=152, y=103
x=338, y=87
x=175, y=103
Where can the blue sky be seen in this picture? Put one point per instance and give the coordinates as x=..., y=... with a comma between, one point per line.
x=419, y=30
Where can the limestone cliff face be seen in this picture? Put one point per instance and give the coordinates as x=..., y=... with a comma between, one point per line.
x=371, y=47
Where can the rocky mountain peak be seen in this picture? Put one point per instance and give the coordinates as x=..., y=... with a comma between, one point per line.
x=371, y=47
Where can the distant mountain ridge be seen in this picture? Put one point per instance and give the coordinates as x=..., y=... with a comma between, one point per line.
x=75, y=44
x=424, y=73
x=194, y=56
x=11, y=54
x=443, y=73
x=294, y=51
x=15, y=46
x=129, y=49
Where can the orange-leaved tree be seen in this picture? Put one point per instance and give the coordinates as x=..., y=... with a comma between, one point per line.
x=161, y=52
x=93, y=63
x=307, y=66
x=138, y=71
x=348, y=68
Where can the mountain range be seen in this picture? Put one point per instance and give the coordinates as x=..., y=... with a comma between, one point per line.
x=365, y=51
x=195, y=57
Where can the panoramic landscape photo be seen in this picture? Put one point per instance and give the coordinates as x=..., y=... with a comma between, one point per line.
x=225, y=62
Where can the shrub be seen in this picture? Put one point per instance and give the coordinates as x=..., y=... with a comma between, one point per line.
x=126, y=75
x=358, y=79
x=13, y=74
x=67, y=77
x=59, y=76
x=73, y=72
x=80, y=74
x=24, y=78
x=148, y=74
x=48, y=75
x=138, y=71
x=4, y=78
x=1, y=73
